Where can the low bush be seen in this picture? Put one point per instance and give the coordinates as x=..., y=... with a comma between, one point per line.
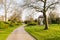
x=26, y=22
x=32, y=24
x=8, y=24
x=3, y=25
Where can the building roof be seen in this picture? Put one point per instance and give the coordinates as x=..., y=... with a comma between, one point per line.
x=40, y=16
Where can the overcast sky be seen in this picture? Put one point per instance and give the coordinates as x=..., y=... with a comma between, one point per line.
x=21, y=2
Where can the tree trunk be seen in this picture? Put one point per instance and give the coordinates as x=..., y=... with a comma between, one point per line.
x=5, y=11
x=46, y=22
x=44, y=14
x=5, y=17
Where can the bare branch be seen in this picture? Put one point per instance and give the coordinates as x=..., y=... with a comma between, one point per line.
x=39, y=10
x=51, y=5
x=41, y=0
x=9, y=5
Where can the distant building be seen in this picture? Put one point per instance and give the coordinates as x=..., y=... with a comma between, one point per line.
x=1, y=18
x=40, y=20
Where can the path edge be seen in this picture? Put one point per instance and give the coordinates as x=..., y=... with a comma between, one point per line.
x=30, y=34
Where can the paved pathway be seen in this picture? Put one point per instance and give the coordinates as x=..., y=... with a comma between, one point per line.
x=20, y=34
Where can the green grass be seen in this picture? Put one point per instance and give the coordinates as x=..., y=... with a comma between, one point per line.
x=53, y=33
x=4, y=32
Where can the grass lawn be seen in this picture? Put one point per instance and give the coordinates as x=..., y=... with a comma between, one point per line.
x=4, y=33
x=53, y=33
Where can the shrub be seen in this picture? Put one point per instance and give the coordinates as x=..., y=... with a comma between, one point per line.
x=58, y=20
x=32, y=24
x=3, y=25
x=26, y=22
x=12, y=24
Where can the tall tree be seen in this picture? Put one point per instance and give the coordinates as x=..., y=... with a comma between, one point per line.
x=43, y=6
x=44, y=14
x=5, y=10
x=6, y=7
x=9, y=6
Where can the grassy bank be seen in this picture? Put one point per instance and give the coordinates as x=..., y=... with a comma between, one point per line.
x=6, y=29
x=53, y=33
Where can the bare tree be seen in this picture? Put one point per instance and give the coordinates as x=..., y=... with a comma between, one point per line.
x=46, y=4
x=53, y=15
x=30, y=14
x=16, y=15
x=6, y=8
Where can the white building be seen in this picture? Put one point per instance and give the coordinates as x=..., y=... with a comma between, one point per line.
x=40, y=20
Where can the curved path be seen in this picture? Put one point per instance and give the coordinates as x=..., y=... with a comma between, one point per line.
x=20, y=34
